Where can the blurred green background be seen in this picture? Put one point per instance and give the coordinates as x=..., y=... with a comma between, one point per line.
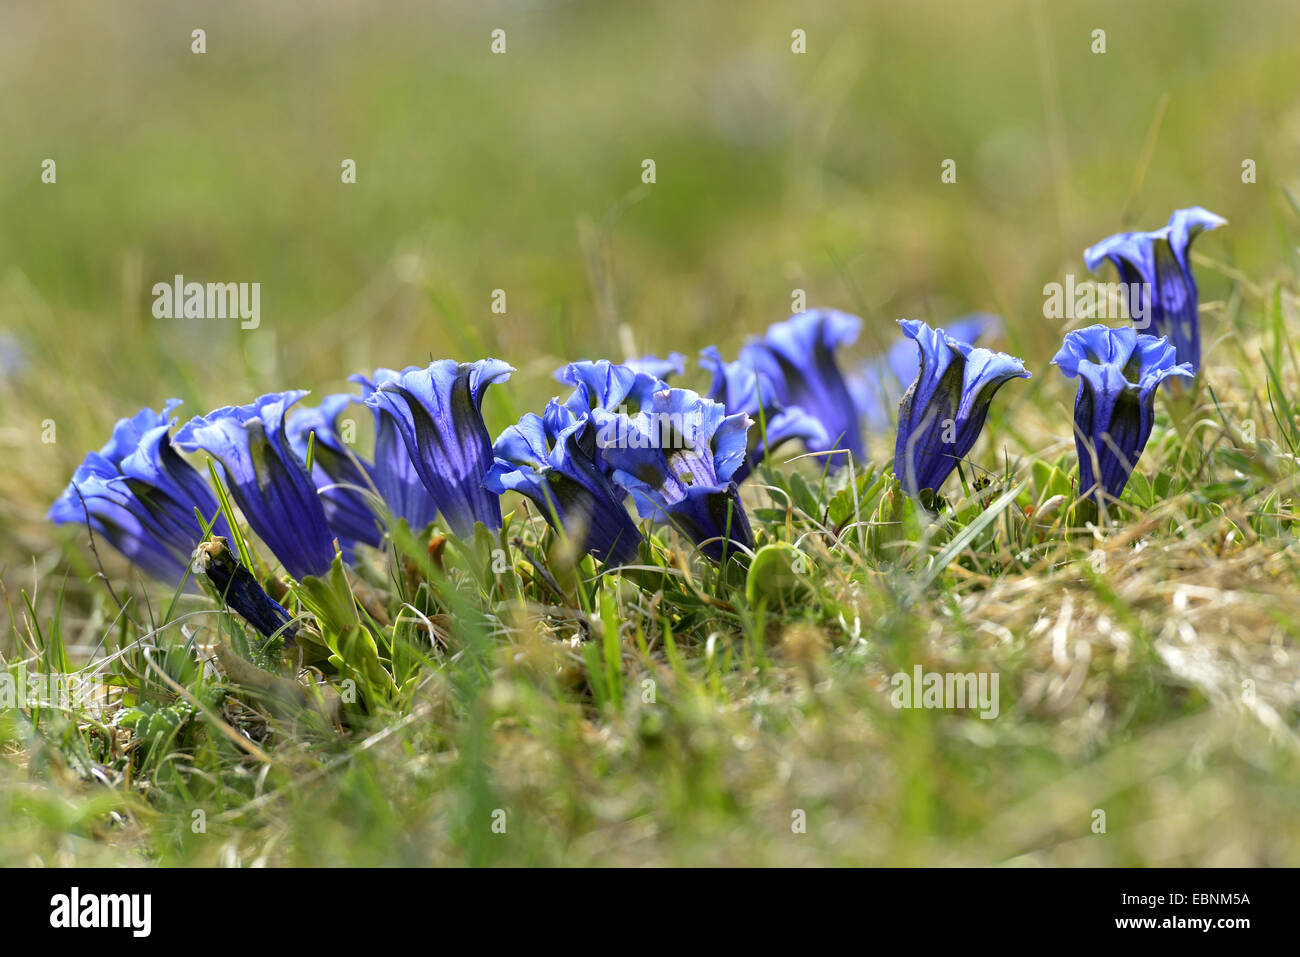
x=522, y=172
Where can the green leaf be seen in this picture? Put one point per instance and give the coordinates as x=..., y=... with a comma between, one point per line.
x=329, y=598
x=778, y=573
x=962, y=539
x=223, y=499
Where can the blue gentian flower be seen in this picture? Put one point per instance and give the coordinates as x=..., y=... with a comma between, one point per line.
x=798, y=355
x=437, y=411
x=744, y=389
x=942, y=413
x=344, y=481
x=673, y=364
x=563, y=480
x=881, y=382
x=394, y=474
x=1118, y=371
x=266, y=479
x=603, y=385
x=678, y=457
x=1163, y=299
x=140, y=495
x=115, y=515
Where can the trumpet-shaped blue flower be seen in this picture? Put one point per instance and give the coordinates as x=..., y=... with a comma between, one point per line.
x=603, y=385
x=942, y=413
x=560, y=476
x=1118, y=371
x=798, y=356
x=744, y=389
x=393, y=471
x=111, y=511
x=343, y=480
x=266, y=478
x=140, y=495
x=678, y=457
x=881, y=382
x=1155, y=267
x=437, y=411
x=607, y=385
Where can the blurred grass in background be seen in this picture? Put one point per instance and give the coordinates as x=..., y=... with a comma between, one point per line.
x=522, y=172
x=775, y=171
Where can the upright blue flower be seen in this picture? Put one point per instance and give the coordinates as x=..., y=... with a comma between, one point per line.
x=942, y=413
x=881, y=381
x=437, y=411
x=343, y=480
x=678, y=457
x=394, y=474
x=603, y=385
x=140, y=495
x=798, y=355
x=744, y=389
x=1155, y=267
x=566, y=484
x=266, y=478
x=1118, y=371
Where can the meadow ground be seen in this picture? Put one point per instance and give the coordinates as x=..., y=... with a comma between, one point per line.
x=672, y=714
